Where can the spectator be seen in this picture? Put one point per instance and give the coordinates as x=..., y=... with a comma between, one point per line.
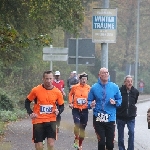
x=78, y=103
x=71, y=81
x=141, y=86
x=75, y=74
x=126, y=113
x=60, y=85
x=104, y=97
x=44, y=111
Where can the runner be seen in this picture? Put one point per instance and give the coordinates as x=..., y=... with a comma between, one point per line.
x=78, y=103
x=44, y=111
x=104, y=97
x=60, y=85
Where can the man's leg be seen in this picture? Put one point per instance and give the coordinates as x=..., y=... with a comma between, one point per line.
x=131, y=126
x=83, y=124
x=39, y=146
x=100, y=132
x=76, y=118
x=50, y=130
x=120, y=127
x=110, y=134
x=50, y=143
x=38, y=135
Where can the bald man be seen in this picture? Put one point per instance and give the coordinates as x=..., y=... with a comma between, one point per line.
x=104, y=97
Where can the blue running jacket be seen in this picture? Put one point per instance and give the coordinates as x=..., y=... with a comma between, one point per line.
x=102, y=93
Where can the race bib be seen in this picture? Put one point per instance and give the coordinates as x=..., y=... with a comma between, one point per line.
x=81, y=101
x=46, y=109
x=102, y=117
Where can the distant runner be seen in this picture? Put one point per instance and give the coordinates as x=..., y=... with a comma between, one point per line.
x=78, y=104
x=60, y=85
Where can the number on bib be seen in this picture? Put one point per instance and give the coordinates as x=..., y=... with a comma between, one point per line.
x=81, y=101
x=102, y=117
x=46, y=109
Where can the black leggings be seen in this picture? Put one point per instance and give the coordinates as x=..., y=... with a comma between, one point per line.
x=105, y=132
x=80, y=118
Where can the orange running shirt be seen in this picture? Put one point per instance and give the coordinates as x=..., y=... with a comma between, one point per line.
x=78, y=96
x=46, y=103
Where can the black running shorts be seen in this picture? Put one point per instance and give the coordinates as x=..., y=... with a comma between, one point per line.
x=44, y=130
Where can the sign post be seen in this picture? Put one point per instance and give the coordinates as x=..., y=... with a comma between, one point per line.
x=104, y=25
x=55, y=54
x=81, y=51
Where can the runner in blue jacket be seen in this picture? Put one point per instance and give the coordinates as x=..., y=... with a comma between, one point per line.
x=104, y=97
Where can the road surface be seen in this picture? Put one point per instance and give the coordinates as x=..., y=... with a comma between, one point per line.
x=18, y=134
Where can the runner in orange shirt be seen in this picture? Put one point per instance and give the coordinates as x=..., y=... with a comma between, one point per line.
x=44, y=111
x=78, y=103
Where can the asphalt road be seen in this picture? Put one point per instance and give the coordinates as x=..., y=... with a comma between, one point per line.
x=18, y=134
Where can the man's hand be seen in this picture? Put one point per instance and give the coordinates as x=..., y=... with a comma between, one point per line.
x=112, y=101
x=56, y=111
x=33, y=116
x=71, y=105
x=93, y=104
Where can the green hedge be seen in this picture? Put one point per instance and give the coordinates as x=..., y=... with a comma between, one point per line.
x=5, y=101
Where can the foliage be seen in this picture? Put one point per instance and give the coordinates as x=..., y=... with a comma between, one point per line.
x=31, y=23
x=12, y=44
x=28, y=24
x=2, y=125
x=61, y=13
x=6, y=116
x=5, y=101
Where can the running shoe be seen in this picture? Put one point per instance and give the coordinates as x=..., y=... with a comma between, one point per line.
x=79, y=148
x=76, y=143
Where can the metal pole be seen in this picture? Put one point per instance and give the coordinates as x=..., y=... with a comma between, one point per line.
x=77, y=54
x=104, y=46
x=51, y=62
x=137, y=44
x=51, y=65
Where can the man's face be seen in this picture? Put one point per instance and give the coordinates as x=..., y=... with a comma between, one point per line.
x=48, y=80
x=104, y=74
x=83, y=80
x=57, y=77
x=71, y=75
x=128, y=83
x=74, y=74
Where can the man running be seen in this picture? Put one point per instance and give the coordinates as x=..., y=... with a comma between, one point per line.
x=78, y=103
x=104, y=97
x=44, y=111
x=60, y=85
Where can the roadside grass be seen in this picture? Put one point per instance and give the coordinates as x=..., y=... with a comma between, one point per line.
x=8, y=116
x=2, y=126
x=5, y=145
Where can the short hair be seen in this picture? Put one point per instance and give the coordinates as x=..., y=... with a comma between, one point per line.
x=47, y=72
x=128, y=76
x=83, y=74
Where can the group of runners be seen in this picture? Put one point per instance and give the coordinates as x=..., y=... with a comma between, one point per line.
x=103, y=97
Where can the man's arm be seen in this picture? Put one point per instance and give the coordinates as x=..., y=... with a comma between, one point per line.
x=118, y=97
x=137, y=95
x=27, y=106
x=61, y=108
x=91, y=99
